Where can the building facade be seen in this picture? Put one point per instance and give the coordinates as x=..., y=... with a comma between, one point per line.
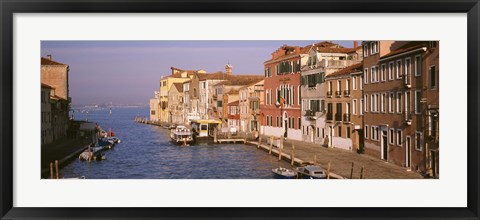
x=176, y=104
x=323, y=59
x=281, y=112
x=344, y=119
x=250, y=98
x=55, y=75
x=401, y=98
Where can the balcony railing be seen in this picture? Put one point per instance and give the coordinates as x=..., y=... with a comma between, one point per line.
x=329, y=94
x=346, y=93
x=309, y=113
x=338, y=94
x=329, y=116
x=338, y=117
x=346, y=117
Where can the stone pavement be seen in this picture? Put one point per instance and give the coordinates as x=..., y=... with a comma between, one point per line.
x=341, y=161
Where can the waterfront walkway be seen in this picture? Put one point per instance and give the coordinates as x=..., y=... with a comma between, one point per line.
x=341, y=161
x=63, y=150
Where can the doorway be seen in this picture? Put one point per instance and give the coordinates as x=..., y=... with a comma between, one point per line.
x=408, y=149
x=384, y=145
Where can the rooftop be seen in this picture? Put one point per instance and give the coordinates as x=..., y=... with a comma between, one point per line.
x=405, y=48
x=47, y=61
x=347, y=70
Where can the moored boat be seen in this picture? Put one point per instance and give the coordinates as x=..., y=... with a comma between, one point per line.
x=284, y=173
x=181, y=135
x=311, y=172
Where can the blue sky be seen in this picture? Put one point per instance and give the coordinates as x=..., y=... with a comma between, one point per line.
x=128, y=72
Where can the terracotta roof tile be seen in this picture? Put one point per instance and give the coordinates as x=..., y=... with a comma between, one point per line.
x=234, y=103
x=178, y=86
x=347, y=70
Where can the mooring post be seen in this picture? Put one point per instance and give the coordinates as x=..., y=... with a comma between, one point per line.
x=361, y=173
x=56, y=167
x=315, y=159
x=351, y=172
x=51, y=170
x=328, y=170
x=259, y=141
x=293, y=154
x=271, y=145
x=280, y=146
x=89, y=154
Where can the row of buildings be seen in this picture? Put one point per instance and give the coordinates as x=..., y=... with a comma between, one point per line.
x=55, y=100
x=379, y=98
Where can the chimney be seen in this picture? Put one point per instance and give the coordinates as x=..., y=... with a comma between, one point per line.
x=355, y=44
x=228, y=69
x=49, y=57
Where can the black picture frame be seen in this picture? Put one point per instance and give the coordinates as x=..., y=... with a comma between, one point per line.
x=9, y=7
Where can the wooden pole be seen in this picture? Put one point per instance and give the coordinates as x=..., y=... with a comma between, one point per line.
x=280, y=146
x=293, y=155
x=56, y=167
x=259, y=141
x=271, y=145
x=89, y=154
x=328, y=170
x=315, y=159
x=361, y=173
x=51, y=170
x=351, y=172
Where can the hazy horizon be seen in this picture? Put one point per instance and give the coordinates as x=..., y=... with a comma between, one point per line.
x=128, y=72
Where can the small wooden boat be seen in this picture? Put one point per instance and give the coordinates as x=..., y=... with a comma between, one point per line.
x=284, y=173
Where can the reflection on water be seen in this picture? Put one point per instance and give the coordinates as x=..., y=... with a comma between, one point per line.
x=145, y=152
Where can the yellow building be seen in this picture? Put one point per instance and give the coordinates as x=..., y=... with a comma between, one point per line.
x=166, y=82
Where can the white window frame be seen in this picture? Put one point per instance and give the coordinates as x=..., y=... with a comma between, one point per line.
x=372, y=102
x=408, y=70
x=361, y=106
x=365, y=74
x=418, y=95
x=391, y=136
x=399, y=137
x=372, y=133
x=382, y=102
x=399, y=102
x=418, y=72
x=354, y=83
x=391, y=69
x=398, y=69
x=361, y=83
x=366, y=132
x=365, y=50
x=383, y=72
x=391, y=97
x=372, y=75
x=366, y=103
x=419, y=146
x=354, y=107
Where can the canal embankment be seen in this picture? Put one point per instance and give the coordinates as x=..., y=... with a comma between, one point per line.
x=341, y=163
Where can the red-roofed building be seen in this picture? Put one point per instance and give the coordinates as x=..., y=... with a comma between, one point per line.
x=282, y=85
x=401, y=103
x=233, y=115
x=343, y=120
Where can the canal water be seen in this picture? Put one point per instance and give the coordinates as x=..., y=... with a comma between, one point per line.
x=145, y=152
